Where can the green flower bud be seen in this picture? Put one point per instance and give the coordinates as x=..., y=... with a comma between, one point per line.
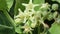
x=45, y=6
x=55, y=14
x=55, y=6
x=50, y=17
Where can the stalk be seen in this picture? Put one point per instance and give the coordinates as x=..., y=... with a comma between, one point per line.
x=5, y=26
x=26, y=32
x=38, y=28
x=30, y=32
x=9, y=18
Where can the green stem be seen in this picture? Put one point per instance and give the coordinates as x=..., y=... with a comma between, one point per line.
x=38, y=28
x=44, y=31
x=30, y=32
x=5, y=26
x=26, y=32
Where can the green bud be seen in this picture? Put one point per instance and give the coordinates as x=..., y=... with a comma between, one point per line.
x=50, y=17
x=55, y=14
x=55, y=6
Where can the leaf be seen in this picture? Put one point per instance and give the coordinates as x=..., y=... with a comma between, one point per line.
x=6, y=31
x=3, y=5
x=9, y=3
x=6, y=4
x=55, y=29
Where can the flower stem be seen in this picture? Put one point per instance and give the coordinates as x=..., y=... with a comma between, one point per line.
x=9, y=18
x=38, y=28
x=30, y=32
x=5, y=26
x=26, y=32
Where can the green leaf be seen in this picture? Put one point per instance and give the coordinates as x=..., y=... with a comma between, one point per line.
x=6, y=4
x=3, y=5
x=6, y=31
x=55, y=29
x=9, y=3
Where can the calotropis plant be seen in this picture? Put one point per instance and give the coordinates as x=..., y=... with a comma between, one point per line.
x=31, y=18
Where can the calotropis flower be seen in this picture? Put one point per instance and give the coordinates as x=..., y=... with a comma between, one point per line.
x=33, y=25
x=17, y=20
x=20, y=15
x=23, y=16
x=29, y=13
x=45, y=6
x=30, y=5
x=27, y=28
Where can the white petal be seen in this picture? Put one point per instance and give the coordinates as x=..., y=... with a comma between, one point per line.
x=30, y=1
x=24, y=4
x=36, y=5
x=20, y=10
x=24, y=20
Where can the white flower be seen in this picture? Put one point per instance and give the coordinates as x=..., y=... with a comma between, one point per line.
x=30, y=6
x=17, y=20
x=20, y=15
x=27, y=28
x=29, y=13
x=20, y=11
x=34, y=21
x=24, y=21
x=33, y=25
x=46, y=5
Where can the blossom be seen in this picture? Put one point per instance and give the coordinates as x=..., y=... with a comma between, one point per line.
x=17, y=20
x=27, y=28
x=30, y=5
x=45, y=6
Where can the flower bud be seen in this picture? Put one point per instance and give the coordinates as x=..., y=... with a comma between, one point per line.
x=55, y=6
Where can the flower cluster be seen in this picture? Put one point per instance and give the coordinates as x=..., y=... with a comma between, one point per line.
x=30, y=17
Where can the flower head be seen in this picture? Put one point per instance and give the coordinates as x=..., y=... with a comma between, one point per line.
x=27, y=28
x=30, y=5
